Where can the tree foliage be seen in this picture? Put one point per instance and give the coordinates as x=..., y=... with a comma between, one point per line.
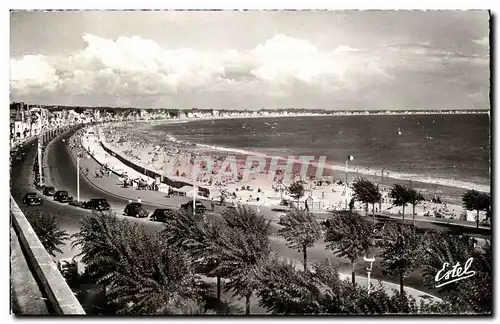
x=478, y=201
x=402, y=250
x=154, y=280
x=367, y=192
x=349, y=236
x=243, y=249
x=286, y=290
x=415, y=197
x=301, y=230
x=142, y=274
x=472, y=295
x=296, y=190
x=194, y=235
x=401, y=196
x=48, y=231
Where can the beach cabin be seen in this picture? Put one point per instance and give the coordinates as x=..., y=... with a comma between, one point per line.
x=185, y=191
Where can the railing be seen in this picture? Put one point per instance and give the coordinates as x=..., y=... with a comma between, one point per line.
x=59, y=296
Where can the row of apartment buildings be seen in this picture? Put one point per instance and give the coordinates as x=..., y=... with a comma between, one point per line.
x=30, y=120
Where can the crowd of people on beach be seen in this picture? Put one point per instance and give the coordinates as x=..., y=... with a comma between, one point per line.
x=176, y=159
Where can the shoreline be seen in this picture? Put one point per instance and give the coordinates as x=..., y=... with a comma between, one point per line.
x=325, y=197
x=427, y=183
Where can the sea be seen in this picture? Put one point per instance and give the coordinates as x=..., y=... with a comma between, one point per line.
x=433, y=152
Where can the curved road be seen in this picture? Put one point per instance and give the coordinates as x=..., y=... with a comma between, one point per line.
x=61, y=173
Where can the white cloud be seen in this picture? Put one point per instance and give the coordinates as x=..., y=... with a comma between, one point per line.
x=135, y=66
x=137, y=71
x=32, y=72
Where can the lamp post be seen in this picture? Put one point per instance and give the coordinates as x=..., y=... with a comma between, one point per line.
x=40, y=161
x=78, y=178
x=369, y=268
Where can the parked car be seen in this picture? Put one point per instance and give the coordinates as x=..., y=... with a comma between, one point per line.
x=49, y=191
x=136, y=210
x=162, y=215
x=200, y=208
x=97, y=204
x=62, y=196
x=32, y=199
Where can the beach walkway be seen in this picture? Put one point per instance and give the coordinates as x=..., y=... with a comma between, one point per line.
x=111, y=185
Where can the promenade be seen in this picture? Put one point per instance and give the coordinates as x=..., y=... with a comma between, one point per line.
x=112, y=186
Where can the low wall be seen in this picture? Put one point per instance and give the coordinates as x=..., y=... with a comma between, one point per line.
x=172, y=183
x=52, y=284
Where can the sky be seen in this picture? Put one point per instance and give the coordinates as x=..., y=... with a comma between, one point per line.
x=336, y=60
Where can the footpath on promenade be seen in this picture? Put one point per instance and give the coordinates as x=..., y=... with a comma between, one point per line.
x=112, y=185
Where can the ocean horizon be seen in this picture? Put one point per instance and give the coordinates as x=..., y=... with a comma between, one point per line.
x=446, y=150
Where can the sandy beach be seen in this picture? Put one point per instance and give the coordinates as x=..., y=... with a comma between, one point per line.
x=173, y=158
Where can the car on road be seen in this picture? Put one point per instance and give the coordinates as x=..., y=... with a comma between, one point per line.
x=99, y=204
x=162, y=215
x=198, y=204
x=135, y=209
x=62, y=196
x=49, y=191
x=32, y=199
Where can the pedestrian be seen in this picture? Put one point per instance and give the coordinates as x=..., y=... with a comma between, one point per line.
x=212, y=203
x=307, y=206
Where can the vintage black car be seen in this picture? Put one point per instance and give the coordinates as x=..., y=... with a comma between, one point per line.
x=96, y=204
x=135, y=209
x=162, y=215
x=32, y=199
x=49, y=191
x=200, y=208
x=62, y=196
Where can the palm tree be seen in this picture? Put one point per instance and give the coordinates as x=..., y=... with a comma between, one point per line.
x=415, y=197
x=141, y=273
x=475, y=200
x=401, y=196
x=153, y=279
x=100, y=239
x=243, y=249
x=48, y=230
x=402, y=251
x=193, y=235
x=472, y=294
x=286, y=290
x=443, y=247
x=350, y=236
x=297, y=191
x=301, y=230
x=367, y=192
